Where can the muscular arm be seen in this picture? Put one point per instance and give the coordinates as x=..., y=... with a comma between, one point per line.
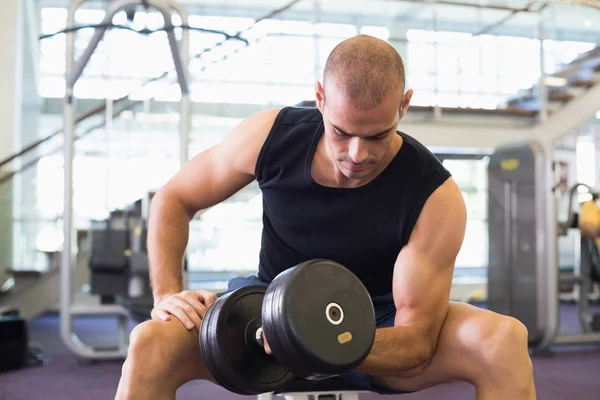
x=209, y=178
x=421, y=287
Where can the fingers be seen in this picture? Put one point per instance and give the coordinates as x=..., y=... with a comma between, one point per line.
x=187, y=306
x=199, y=308
x=183, y=310
x=198, y=305
x=160, y=314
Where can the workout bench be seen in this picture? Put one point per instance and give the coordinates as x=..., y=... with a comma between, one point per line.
x=329, y=389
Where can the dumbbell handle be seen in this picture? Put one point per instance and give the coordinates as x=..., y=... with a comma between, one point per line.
x=259, y=336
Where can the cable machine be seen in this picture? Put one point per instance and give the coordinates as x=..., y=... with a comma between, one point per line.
x=74, y=70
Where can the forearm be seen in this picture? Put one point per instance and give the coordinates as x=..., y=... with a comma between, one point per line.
x=400, y=351
x=168, y=232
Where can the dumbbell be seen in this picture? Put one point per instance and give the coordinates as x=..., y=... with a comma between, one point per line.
x=317, y=318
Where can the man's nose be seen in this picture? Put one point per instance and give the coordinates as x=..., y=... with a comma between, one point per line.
x=357, y=150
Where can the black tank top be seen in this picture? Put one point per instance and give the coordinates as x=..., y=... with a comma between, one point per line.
x=362, y=228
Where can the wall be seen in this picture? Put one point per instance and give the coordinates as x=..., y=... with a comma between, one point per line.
x=11, y=43
x=20, y=107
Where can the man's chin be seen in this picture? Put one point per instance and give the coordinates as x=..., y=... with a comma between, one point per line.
x=357, y=174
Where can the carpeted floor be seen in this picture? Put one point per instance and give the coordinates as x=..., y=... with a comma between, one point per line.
x=572, y=373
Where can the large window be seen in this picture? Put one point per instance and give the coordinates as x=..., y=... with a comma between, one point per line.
x=284, y=58
x=279, y=65
x=471, y=177
x=452, y=69
x=228, y=236
x=586, y=161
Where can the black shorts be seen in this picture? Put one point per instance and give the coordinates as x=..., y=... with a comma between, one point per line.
x=385, y=312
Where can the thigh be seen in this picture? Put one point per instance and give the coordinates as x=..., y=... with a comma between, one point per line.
x=243, y=281
x=454, y=358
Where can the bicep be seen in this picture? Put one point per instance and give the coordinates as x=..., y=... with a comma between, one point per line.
x=222, y=170
x=425, y=266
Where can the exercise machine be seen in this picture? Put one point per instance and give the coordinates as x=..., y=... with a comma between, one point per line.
x=586, y=220
x=523, y=273
x=118, y=261
x=74, y=70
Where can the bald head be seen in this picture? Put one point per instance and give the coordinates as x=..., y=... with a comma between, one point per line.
x=365, y=69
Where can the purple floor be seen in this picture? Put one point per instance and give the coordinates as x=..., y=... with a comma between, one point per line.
x=569, y=374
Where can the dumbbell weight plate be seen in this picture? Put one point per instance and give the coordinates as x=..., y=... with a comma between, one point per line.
x=229, y=347
x=318, y=319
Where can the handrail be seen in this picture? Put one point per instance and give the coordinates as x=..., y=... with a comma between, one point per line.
x=94, y=111
x=99, y=125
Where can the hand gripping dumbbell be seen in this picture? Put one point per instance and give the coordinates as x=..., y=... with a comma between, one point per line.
x=317, y=318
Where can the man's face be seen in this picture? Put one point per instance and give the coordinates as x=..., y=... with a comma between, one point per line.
x=358, y=140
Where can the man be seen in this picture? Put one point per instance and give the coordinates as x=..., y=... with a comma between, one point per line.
x=338, y=182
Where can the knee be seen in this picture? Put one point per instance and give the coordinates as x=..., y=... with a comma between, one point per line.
x=144, y=339
x=505, y=341
x=511, y=335
x=146, y=349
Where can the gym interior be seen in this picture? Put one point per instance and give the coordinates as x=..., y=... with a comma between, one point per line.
x=103, y=101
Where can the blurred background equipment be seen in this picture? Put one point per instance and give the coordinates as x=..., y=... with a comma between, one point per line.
x=523, y=271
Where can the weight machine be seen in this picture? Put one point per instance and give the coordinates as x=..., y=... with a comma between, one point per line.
x=74, y=70
x=523, y=273
x=587, y=273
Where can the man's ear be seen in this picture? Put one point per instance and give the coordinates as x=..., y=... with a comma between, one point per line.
x=320, y=96
x=405, y=102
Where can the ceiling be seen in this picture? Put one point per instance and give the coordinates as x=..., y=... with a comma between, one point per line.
x=477, y=13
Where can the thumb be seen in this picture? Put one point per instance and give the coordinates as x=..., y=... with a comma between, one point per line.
x=207, y=298
x=267, y=347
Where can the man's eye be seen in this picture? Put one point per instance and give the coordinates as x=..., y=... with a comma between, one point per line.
x=379, y=137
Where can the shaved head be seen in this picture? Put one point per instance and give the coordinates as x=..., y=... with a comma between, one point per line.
x=365, y=69
x=364, y=84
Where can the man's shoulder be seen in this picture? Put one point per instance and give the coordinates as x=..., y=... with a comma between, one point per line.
x=413, y=142
x=295, y=115
x=419, y=152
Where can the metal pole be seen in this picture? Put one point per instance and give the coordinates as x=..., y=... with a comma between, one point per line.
x=108, y=119
x=542, y=88
x=68, y=256
x=185, y=111
x=437, y=110
x=181, y=59
x=182, y=77
x=548, y=268
x=123, y=331
x=317, y=19
x=77, y=70
x=182, y=63
x=585, y=285
x=67, y=259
